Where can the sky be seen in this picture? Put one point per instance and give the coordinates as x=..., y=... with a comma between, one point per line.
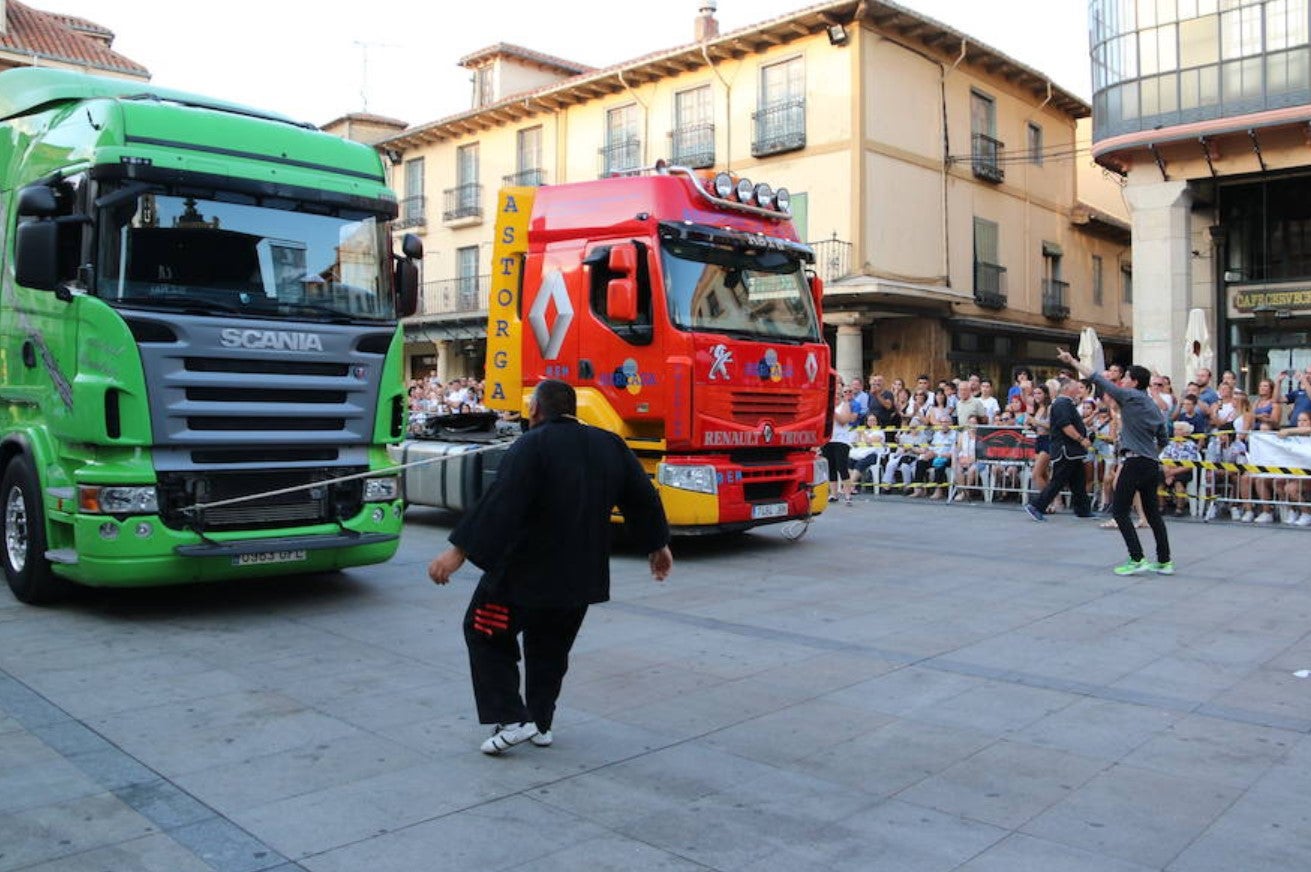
x=317, y=60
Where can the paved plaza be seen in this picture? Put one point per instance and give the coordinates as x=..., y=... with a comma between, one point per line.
x=911, y=686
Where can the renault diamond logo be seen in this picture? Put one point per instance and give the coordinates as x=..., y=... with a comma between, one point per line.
x=550, y=339
x=812, y=366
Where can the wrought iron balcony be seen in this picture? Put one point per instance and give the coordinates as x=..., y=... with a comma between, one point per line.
x=620, y=156
x=832, y=258
x=780, y=127
x=1055, y=295
x=693, y=145
x=453, y=296
x=525, y=178
x=989, y=285
x=413, y=213
x=985, y=153
x=465, y=201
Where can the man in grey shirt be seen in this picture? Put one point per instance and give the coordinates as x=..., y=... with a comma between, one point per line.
x=1143, y=434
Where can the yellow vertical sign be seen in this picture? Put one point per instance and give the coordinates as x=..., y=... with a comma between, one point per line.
x=504, y=383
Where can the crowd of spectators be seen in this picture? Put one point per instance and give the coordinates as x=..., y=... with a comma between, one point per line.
x=916, y=440
x=430, y=398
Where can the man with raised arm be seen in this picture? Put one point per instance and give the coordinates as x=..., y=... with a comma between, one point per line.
x=1143, y=434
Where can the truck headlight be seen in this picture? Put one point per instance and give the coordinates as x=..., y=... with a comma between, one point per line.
x=117, y=500
x=379, y=490
x=701, y=479
x=821, y=472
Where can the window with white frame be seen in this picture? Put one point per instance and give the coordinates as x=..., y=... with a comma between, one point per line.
x=780, y=116
x=693, y=136
x=622, y=151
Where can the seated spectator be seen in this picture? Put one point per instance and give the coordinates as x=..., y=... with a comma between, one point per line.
x=931, y=470
x=1297, y=491
x=1191, y=414
x=868, y=448
x=911, y=443
x=967, y=469
x=1177, y=478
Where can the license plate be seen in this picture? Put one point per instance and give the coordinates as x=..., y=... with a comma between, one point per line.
x=261, y=558
x=769, y=510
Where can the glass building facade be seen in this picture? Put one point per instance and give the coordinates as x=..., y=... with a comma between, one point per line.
x=1160, y=63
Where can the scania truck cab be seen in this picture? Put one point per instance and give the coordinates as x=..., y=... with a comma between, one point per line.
x=200, y=363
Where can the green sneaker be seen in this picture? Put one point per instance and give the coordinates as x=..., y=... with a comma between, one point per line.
x=1166, y=568
x=1132, y=567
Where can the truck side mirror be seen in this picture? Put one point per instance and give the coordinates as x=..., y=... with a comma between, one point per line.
x=621, y=301
x=623, y=260
x=816, y=291
x=407, y=288
x=36, y=257
x=37, y=201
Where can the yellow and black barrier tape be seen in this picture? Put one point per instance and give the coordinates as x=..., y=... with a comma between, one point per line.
x=1290, y=471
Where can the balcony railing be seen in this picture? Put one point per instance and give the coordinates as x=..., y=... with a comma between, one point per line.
x=413, y=212
x=1054, y=299
x=832, y=258
x=985, y=153
x=780, y=127
x=465, y=201
x=693, y=145
x=989, y=285
x=525, y=178
x=620, y=156
x=453, y=296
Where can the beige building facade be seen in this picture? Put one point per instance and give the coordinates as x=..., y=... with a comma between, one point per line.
x=938, y=181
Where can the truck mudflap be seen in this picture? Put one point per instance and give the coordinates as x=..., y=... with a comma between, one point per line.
x=282, y=544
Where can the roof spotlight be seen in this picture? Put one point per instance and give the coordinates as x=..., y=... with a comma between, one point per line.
x=783, y=199
x=765, y=195
x=745, y=190
x=723, y=186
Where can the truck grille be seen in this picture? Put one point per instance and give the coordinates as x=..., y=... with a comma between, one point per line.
x=315, y=503
x=750, y=407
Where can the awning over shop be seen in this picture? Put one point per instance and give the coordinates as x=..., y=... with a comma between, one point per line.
x=444, y=331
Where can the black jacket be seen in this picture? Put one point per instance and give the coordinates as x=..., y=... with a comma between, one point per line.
x=1064, y=411
x=541, y=533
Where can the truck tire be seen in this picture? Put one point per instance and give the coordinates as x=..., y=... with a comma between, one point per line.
x=23, y=536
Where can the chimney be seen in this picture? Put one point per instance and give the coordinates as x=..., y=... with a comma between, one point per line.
x=706, y=25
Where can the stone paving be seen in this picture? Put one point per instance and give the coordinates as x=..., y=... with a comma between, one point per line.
x=909, y=687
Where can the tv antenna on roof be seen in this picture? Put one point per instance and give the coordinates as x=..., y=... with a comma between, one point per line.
x=364, y=68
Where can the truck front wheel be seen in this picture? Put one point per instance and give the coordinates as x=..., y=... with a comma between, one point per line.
x=23, y=536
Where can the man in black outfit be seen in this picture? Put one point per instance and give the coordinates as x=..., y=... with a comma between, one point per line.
x=1070, y=444
x=541, y=535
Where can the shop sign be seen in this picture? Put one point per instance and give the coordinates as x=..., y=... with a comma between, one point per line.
x=1249, y=301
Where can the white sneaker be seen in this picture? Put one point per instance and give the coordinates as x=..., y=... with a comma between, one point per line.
x=1265, y=518
x=1247, y=517
x=1236, y=513
x=1292, y=517
x=543, y=740
x=1305, y=520
x=506, y=736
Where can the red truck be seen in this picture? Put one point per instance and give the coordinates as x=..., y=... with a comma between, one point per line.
x=680, y=307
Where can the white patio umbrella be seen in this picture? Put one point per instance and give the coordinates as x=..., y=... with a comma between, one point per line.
x=1198, y=353
x=1090, y=350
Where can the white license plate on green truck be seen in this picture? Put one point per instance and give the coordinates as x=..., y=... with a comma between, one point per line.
x=260, y=558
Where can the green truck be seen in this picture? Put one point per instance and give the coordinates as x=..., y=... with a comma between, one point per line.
x=200, y=360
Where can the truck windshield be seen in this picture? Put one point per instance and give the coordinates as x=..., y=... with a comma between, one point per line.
x=231, y=254
x=741, y=291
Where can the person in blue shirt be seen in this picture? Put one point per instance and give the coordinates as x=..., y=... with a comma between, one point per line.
x=1190, y=414
x=1299, y=392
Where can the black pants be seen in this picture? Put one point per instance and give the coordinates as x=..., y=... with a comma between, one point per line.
x=1066, y=472
x=491, y=631
x=1141, y=476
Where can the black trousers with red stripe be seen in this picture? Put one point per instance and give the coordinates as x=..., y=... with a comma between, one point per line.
x=491, y=631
